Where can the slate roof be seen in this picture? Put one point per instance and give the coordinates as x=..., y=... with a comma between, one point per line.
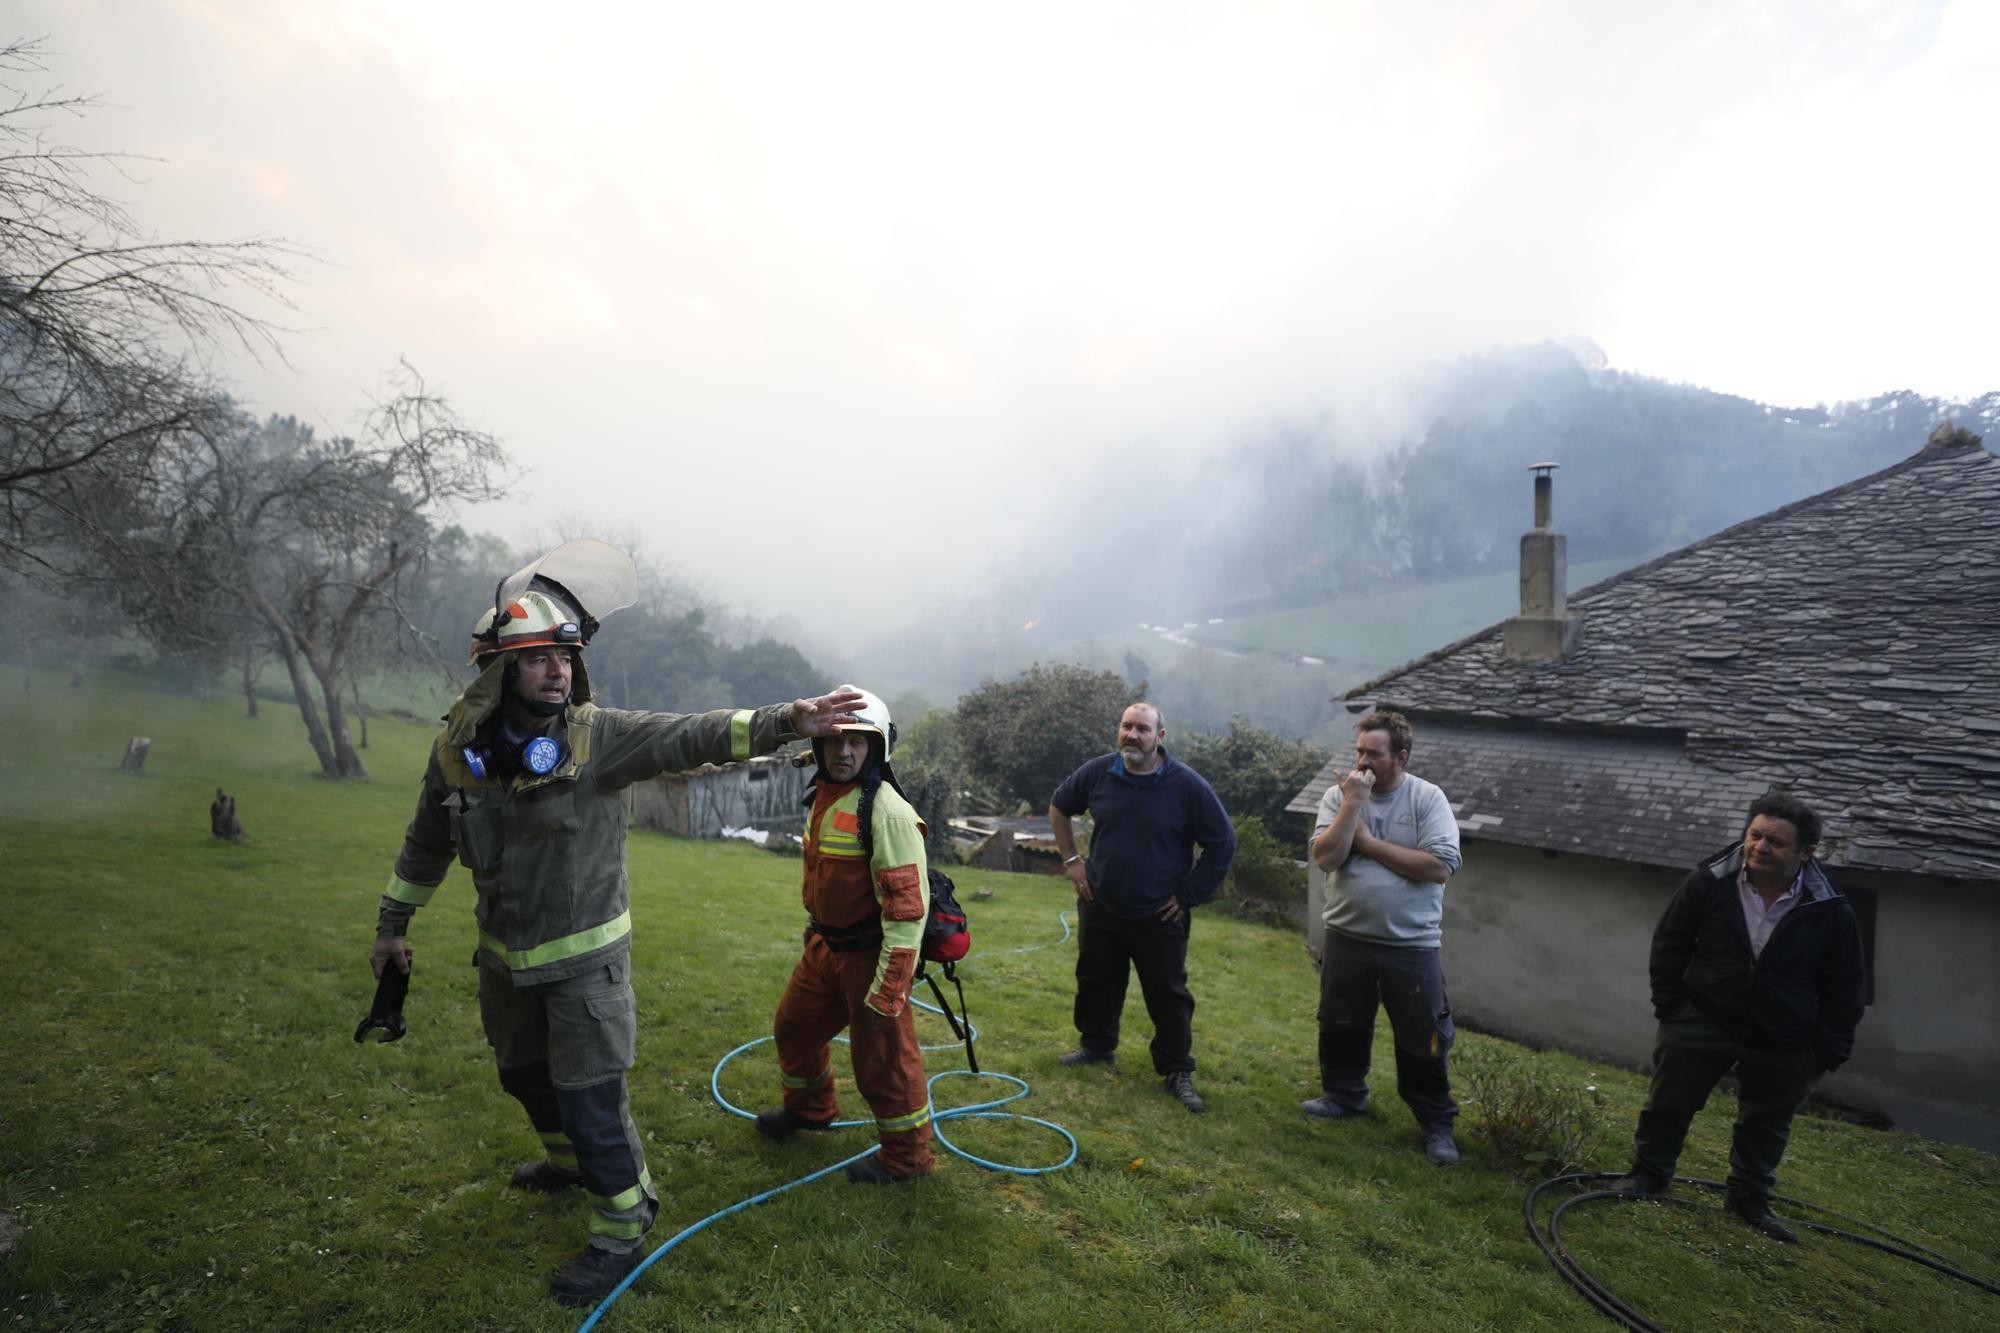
x=1846, y=647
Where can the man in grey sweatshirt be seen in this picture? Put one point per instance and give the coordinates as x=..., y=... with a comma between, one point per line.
x=1388, y=839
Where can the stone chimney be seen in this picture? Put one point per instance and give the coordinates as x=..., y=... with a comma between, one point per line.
x=1544, y=631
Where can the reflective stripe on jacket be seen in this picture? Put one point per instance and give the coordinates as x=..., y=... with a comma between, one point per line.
x=842, y=889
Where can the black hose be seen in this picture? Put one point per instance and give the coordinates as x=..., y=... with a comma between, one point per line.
x=1550, y=1243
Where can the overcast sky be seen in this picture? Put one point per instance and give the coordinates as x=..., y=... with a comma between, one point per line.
x=708, y=268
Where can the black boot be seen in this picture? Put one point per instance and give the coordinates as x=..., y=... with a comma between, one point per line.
x=589, y=1278
x=870, y=1171
x=1758, y=1214
x=1181, y=1084
x=778, y=1123
x=543, y=1178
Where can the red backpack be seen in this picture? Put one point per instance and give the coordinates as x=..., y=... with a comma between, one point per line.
x=947, y=939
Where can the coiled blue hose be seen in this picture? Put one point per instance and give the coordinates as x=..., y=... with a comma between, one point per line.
x=987, y=1110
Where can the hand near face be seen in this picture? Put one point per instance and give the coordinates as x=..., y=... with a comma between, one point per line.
x=819, y=717
x=1357, y=785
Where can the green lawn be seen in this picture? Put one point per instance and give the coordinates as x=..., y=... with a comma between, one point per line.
x=192, y=1139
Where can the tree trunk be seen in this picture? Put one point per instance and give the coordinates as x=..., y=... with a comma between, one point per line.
x=249, y=682
x=347, y=762
x=308, y=710
x=360, y=709
x=82, y=656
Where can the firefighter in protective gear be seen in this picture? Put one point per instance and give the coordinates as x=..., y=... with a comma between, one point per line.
x=867, y=892
x=526, y=789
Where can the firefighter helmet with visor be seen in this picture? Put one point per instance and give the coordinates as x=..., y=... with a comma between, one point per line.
x=534, y=619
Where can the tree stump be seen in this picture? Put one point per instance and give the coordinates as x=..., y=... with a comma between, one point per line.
x=135, y=754
x=222, y=817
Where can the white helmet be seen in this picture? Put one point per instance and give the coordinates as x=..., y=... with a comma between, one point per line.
x=871, y=715
x=532, y=620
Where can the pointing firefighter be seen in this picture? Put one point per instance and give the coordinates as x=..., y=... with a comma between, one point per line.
x=526, y=789
x=867, y=893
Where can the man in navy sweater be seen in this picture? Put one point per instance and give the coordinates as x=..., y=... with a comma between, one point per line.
x=1137, y=891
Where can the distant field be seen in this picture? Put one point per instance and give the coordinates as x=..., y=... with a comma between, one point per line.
x=1373, y=631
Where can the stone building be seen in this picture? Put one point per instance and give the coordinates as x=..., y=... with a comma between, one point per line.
x=1845, y=648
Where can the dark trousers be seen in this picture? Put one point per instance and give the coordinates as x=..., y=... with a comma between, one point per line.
x=1354, y=976
x=563, y=1048
x=1692, y=1055
x=1108, y=947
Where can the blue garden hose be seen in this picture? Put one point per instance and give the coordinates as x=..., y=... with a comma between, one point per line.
x=987, y=1110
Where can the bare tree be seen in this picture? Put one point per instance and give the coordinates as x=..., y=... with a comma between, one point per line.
x=266, y=534
x=105, y=330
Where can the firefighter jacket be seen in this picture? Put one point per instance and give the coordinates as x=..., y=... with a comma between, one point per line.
x=847, y=891
x=547, y=853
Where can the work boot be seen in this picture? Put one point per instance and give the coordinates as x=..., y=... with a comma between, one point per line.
x=1181, y=1084
x=543, y=1177
x=1638, y=1186
x=1326, y=1108
x=1441, y=1149
x=870, y=1171
x=1083, y=1055
x=589, y=1278
x=1758, y=1214
x=778, y=1123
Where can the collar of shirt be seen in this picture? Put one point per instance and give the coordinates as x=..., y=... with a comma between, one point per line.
x=1118, y=767
x=1760, y=919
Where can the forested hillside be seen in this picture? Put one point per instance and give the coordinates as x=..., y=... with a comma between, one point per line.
x=1301, y=513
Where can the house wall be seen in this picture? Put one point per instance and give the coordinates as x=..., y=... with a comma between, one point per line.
x=1552, y=951
x=700, y=804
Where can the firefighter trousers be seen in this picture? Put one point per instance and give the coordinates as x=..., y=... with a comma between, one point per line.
x=828, y=991
x=563, y=1048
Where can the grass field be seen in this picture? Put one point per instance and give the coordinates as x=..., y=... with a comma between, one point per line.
x=192, y=1139
x=1371, y=631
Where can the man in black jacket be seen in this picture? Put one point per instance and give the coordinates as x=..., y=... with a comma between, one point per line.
x=1756, y=967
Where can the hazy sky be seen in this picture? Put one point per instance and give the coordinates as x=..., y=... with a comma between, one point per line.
x=755, y=280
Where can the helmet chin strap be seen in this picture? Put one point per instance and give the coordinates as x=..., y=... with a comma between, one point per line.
x=545, y=707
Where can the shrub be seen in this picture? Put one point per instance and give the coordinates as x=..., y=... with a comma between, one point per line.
x=1265, y=883
x=1254, y=771
x=1536, y=1121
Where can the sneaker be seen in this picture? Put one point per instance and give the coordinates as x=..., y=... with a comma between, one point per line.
x=1083, y=1055
x=1326, y=1108
x=778, y=1123
x=1757, y=1213
x=1181, y=1084
x=870, y=1171
x=542, y=1177
x=1638, y=1186
x=589, y=1278
x=1441, y=1149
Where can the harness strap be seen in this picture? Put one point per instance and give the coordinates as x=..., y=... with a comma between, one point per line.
x=960, y=1029
x=849, y=939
